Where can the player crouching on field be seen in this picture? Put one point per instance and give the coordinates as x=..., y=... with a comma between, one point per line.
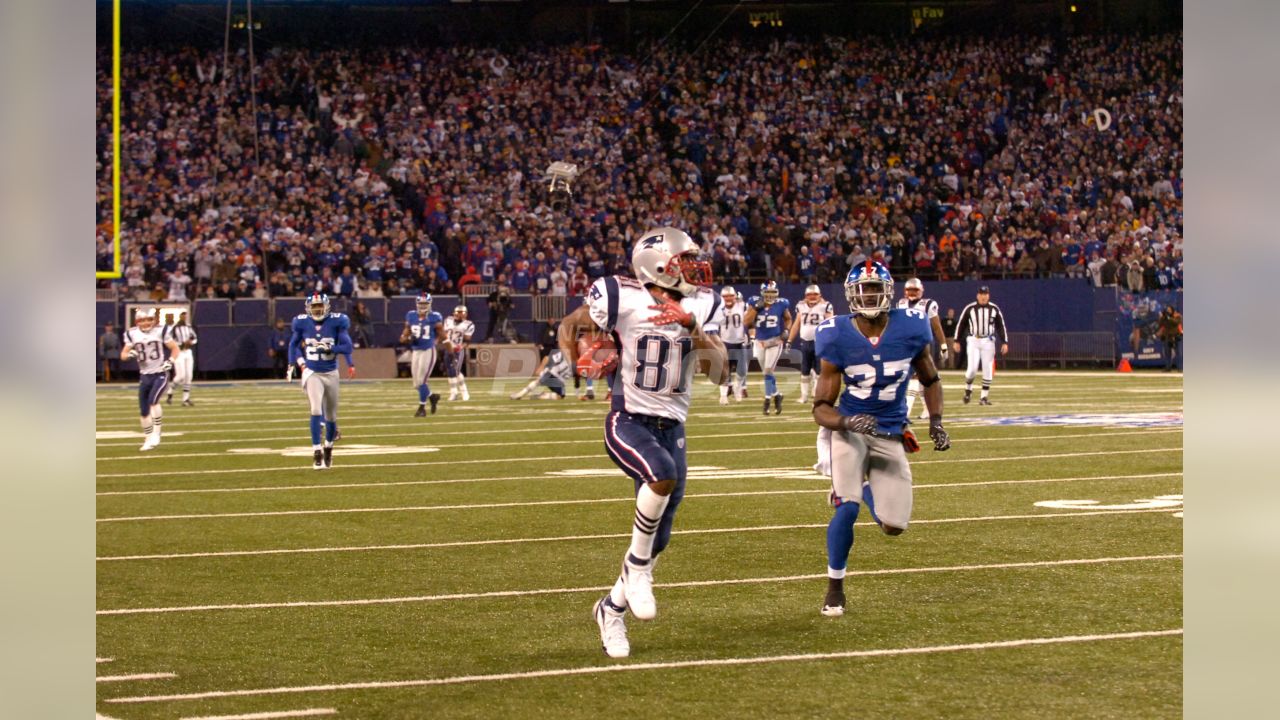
x=867, y=358
x=666, y=327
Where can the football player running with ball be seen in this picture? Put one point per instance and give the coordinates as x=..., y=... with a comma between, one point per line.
x=867, y=358
x=665, y=325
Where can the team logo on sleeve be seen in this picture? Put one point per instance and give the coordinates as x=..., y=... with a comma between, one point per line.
x=594, y=294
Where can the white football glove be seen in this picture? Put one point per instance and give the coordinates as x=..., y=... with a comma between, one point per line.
x=288, y=373
x=167, y=366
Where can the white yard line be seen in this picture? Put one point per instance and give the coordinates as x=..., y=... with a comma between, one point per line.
x=609, y=536
x=601, y=588
x=269, y=715
x=634, y=667
x=593, y=440
x=137, y=676
x=560, y=458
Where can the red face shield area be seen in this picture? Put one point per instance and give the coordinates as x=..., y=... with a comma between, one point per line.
x=695, y=271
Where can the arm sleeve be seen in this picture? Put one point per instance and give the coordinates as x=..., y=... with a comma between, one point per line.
x=1001, y=330
x=294, y=340
x=602, y=302
x=342, y=345
x=194, y=338
x=962, y=324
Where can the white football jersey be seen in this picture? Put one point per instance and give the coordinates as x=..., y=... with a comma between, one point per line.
x=811, y=316
x=732, y=329
x=458, y=331
x=149, y=346
x=924, y=304
x=653, y=376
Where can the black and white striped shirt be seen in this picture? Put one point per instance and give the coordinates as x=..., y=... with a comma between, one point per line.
x=981, y=321
x=181, y=334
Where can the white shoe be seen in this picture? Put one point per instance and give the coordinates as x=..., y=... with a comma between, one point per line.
x=637, y=587
x=724, y=399
x=453, y=397
x=802, y=399
x=148, y=445
x=466, y=396
x=613, y=630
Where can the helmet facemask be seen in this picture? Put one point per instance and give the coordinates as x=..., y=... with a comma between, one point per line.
x=869, y=296
x=318, y=309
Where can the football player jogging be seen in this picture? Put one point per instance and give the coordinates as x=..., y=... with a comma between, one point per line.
x=421, y=328
x=665, y=326
x=184, y=364
x=733, y=333
x=768, y=321
x=458, y=331
x=146, y=342
x=981, y=324
x=867, y=357
x=319, y=337
x=913, y=299
x=810, y=312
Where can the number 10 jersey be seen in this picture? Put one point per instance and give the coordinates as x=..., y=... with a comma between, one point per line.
x=654, y=361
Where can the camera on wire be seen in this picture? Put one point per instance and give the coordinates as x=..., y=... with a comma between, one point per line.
x=559, y=179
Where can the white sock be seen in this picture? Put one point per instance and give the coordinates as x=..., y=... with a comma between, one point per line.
x=186, y=393
x=724, y=392
x=157, y=419
x=462, y=386
x=146, y=428
x=649, y=508
x=986, y=388
x=617, y=595
x=835, y=574
x=316, y=447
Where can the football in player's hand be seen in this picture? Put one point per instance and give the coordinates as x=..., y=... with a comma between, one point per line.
x=596, y=357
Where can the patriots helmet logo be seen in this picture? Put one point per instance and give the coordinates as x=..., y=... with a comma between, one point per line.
x=651, y=241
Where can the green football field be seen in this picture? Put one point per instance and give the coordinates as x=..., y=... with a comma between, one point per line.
x=446, y=567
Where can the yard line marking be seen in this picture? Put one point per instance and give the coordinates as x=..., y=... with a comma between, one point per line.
x=269, y=715
x=562, y=538
x=398, y=449
x=138, y=676
x=527, y=478
x=597, y=456
x=633, y=667
x=103, y=660
x=599, y=588
x=470, y=506
x=602, y=536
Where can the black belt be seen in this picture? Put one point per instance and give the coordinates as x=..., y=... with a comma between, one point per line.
x=661, y=423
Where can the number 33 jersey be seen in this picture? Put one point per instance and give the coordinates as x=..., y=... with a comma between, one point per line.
x=875, y=370
x=654, y=371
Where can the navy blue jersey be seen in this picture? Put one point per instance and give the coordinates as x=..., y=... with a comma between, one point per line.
x=769, y=320
x=320, y=342
x=423, y=329
x=875, y=373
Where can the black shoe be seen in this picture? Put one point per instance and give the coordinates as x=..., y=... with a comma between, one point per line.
x=968, y=395
x=169, y=400
x=317, y=460
x=766, y=406
x=422, y=411
x=188, y=403
x=328, y=456
x=591, y=394
x=434, y=398
x=777, y=404
x=984, y=401
x=833, y=603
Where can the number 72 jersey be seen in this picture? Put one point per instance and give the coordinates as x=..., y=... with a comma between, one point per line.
x=654, y=367
x=875, y=371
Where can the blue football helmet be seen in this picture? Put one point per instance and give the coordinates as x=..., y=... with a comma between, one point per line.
x=769, y=292
x=424, y=305
x=318, y=306
x=869, y=289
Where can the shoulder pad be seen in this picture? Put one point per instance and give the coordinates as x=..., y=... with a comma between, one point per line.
x=301, y=316
x=631, y=282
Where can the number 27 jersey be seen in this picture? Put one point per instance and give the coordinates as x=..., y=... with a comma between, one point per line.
x=875, y=371
x=653, y=370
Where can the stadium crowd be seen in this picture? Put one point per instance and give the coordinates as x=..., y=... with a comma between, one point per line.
x=397, y=170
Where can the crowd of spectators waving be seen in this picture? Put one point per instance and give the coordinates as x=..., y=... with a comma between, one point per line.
x=390, y=171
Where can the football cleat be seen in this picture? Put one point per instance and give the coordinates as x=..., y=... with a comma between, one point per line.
x=169, y=400
x=613, y=630
x=766, y=406
x=328, y=456
x=591, y=395
x=466, y=396
x=777, y=404
x=724, y=399
x=188, y=403
x=637, y=587
x=968, y=395
x=833, y=603
x=984, y=401
x=422, y=411
x=434, y=398
x=453, y=397
x=148, y=445
x=317, y=462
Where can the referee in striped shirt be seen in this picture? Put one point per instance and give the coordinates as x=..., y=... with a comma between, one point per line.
x=184, y=364
x=980, y=326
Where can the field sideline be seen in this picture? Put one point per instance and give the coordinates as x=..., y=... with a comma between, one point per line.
x=446, y=567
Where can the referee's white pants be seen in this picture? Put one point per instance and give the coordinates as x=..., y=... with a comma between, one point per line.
x=184, y=367
x=980, y=351
x=420, y=365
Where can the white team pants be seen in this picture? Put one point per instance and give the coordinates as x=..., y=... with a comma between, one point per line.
x=979, y=350
x=421, y=364
x=184, y=367
x=881, y=461
x=767, y=353
x=322, y=392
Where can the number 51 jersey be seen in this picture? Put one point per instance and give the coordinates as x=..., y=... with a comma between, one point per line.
x=653, y=360
x=876, y=370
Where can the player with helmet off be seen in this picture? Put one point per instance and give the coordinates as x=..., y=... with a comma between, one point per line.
x=867, y=358
x=810, y=312
x=768, y=322
x=913, y=298
x=319, y=337
x=665, y=325
x=422, y=326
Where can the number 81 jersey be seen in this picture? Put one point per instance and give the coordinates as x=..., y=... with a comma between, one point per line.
x=653, y=374
x=875, y=370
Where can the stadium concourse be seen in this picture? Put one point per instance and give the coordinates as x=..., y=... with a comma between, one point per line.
x=420, y=168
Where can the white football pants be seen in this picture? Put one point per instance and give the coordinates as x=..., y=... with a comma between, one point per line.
x=980, y=350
